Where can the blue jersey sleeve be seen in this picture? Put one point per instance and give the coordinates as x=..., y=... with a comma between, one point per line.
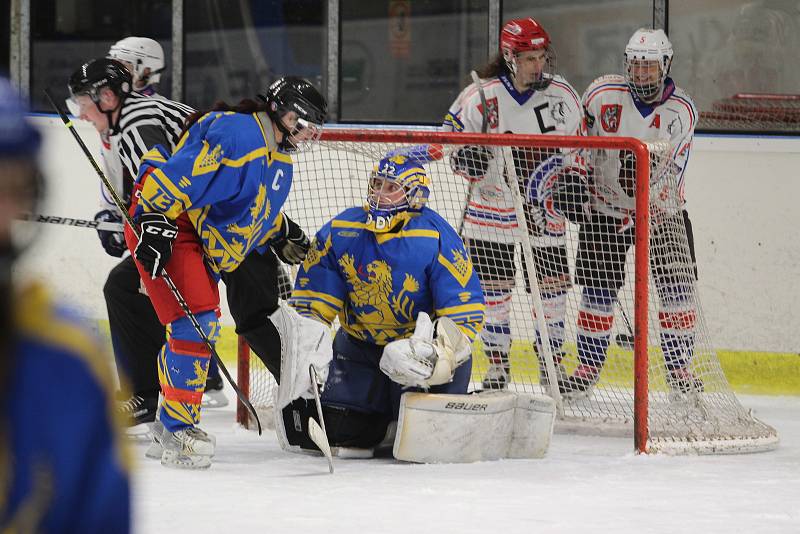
x=454, y=283
x=320, y=291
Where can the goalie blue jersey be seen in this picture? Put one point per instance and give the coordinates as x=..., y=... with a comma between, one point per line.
x=228, y=182
x=62, y=463
x=378, y=283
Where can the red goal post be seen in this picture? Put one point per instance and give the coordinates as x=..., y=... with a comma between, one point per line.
x=631, y=396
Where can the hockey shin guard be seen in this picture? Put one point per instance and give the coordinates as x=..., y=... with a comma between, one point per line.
x=595, y=319
x=182, y=370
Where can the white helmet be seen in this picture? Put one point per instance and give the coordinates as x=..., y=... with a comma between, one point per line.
x=142, y=53
x=648, y=45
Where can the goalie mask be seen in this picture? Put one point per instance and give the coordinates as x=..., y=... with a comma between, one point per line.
x=528, y=53
x=398, y=186
x=144, y=58
x=298, y=110
x=648, y=57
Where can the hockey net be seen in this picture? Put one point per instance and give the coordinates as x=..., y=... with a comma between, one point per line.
x=634, y=395
x=753, y=111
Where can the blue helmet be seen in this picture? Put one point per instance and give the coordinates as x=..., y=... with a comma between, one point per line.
x=397, y=173
x=18, y=137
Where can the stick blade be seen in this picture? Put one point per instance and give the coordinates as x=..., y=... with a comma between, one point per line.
x=318, y=436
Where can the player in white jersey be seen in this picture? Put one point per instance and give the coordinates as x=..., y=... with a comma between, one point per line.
x=523, y=95
x=646, y=104
x=144, y=59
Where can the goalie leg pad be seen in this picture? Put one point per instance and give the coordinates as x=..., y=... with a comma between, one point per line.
x=346, y=428
x=304, y=342
x=435, y=428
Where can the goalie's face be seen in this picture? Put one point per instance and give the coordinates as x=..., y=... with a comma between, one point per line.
x=385, y=193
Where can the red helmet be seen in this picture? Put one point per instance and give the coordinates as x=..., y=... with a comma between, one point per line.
x=525, y=35
x=521, y=35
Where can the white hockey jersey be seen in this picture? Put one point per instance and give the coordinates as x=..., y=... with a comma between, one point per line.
x=556, y=110
x=611, y=110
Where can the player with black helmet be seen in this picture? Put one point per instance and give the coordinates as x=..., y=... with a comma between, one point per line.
x=129, y=123
x=210, y=210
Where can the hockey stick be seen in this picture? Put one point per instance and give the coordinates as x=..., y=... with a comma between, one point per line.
x=70, y=221
x=172, y=287
x=484, y=128
x=622, y=339
x=316, y=431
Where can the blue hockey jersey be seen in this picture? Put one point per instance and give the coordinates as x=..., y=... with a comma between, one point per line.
x=228, y=182
x=378, y=283
x=62, y=463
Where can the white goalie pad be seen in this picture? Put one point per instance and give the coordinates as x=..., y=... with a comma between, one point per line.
x=304, y=342
x=471, y=428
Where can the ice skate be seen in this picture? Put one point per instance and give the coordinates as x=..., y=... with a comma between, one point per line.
x=137, y=409
x=187, y=448
x=581, y=382
x=682, y=381
x=214, y=394
x=561, y=372
x=497, y=377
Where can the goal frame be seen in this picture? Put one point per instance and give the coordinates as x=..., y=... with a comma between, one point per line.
x=641, y=237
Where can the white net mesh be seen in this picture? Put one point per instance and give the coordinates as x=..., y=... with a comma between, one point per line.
x=691, y=405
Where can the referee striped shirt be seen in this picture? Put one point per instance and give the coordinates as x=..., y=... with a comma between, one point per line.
x=145, y=122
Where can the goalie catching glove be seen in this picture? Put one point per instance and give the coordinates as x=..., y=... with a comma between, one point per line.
x=156, y=237
x=292, y=244
x=425, y=359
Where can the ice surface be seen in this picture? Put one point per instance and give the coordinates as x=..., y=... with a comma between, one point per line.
x=585, y=484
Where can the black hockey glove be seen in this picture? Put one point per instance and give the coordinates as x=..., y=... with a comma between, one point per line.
x=113, y=242
x=157, y=235
x=292, y=244
x=471, y=162
x=571, y=197
x=627, y=172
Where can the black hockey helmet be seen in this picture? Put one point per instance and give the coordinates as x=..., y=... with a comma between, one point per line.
x=99, y=73
x=292, y=93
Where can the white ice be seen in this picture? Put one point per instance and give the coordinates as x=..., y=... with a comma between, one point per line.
x=585, y=484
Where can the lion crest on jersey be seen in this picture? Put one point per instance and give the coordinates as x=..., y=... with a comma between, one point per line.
x=492, y=112
x=610, y=117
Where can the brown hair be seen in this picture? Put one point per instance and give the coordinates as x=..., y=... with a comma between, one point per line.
x=245, y=106
x=495, y=67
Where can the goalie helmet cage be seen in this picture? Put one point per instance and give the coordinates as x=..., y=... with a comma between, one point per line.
x=633, y=395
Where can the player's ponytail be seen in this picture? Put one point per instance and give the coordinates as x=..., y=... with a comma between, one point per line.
x=246, y=106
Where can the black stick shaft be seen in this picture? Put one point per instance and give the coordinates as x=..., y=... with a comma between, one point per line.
x=172, y=287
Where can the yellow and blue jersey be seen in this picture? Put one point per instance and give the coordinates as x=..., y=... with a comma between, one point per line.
x=231, y=186
x=63, y=467
x=378, y=283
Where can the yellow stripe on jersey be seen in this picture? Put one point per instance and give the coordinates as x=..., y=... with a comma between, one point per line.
x=383, y=238
x=461, y=268
x=35, y=316
x=328, y=299
x=260, y=152
x=465, y=308
x=347, y=224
